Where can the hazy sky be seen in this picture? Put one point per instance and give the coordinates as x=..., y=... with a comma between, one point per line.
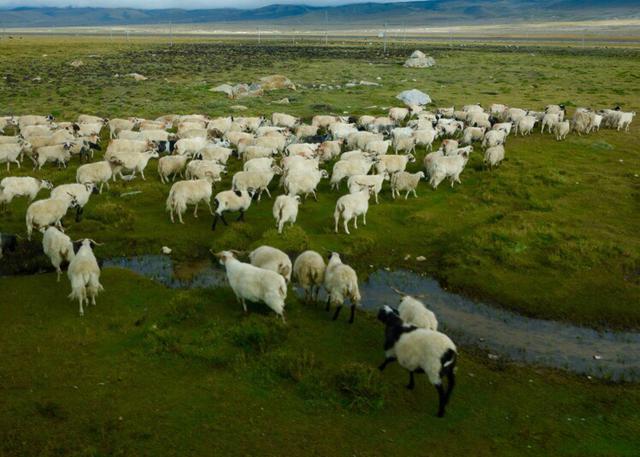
x=187, y=4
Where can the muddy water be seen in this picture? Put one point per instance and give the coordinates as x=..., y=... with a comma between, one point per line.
x=614, y=355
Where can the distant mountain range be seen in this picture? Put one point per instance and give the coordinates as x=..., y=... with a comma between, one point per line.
x=430, y=13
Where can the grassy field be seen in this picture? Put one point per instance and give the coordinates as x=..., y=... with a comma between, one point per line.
x=551, y=233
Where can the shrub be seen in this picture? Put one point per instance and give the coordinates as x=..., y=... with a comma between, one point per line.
x=361, y=386
x=254, y=335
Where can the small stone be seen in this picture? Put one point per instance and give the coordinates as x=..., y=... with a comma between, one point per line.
x=421, y=258
x=166, y=250
x=597, y=357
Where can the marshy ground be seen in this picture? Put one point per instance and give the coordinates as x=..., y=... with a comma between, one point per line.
x=552, y=233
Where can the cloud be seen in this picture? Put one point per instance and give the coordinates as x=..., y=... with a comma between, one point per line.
x=182, y=4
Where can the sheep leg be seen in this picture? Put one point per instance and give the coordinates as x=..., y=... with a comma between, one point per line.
x=355, y=222
x=451, y=382
x=386, y=362
x=180, y=217
x=364, y=218
x=353, y=314
x=59, y=272
x=171, y=215
x=328, y=307
x=412, y=382
x=346, y=227
x=442, y=400
x=266, y=189
x=241, y=217
x=376, y=195
x=335, y=316
x=407, y=195
x=244, y=305
x=314, y=195
x=195, y=211
x=414, y=193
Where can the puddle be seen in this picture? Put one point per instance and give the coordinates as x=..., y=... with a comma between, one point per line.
x=612, y=355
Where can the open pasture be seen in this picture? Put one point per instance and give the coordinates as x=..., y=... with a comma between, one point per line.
x=550, y=233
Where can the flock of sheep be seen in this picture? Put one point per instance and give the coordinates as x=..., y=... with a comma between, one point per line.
x=199, y=148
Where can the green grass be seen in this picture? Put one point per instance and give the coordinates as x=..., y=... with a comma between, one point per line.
x=551, y=233
x=150, y=371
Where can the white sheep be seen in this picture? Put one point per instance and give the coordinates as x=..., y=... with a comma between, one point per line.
x=413, y=312
x=419, y=350
x=284, y=120
x=329, y=149
x=448, y=146
x=215, y=152
x=429, y=161
x=405, y=181
x=185, y=193
x=398, y=114
x=308, y=272
x=135, y=162
x=50, y=211
x=494, y=138
x=26, y=186
x=549, y=121
x=231, y=201
x=190, y=146
x=259, y=164
x=472, y=134
x=350, y=206
x=347, y=168
x=273, y=259
x=118, y=146
x=562, y=129
x=171, y=165
x=80, y=193
x=358, y=183
x=302, y=149
x=285, y=209
x=253, y=283
x=378, y=147
x=304, y=182
x=12, y=153
x=448, y=167
x=392, y=163
x=494, y=155
x=525, y=125
x=257, y=180
x=205, y=169
x=13, y=139
x=84, y=274
x=341, y=283
x=425, y=137
x=624, y=120
x=116, y=125
x=58, y=247
x=504, y=126
x=97, y=173
x=303, y=131
x=404, y=144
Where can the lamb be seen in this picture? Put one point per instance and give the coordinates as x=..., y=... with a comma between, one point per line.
x=171, y=165
x=50, y=211
x=252, y=283
x=358, y=183
x=97, y=173
x=205, y=169
x=84, y=274
x=273, y=259
x=404, y=181
x=494, y=155
x=135, y=162
x=308, y=271
x=350, y=206
x=285, y=209
x=448, y=166
x=420, y=350
x=12, y=153
x=398, y=114
x=304, y=182
x=391, y=163
x=8, y=243
x=80, y=193
x=12, y=187
x=494, y=138
x=341, y=283
x=231, y=201
x=58, y=247
x=60, y=153
x=413, y=312
x=284, y=120
x=404, y=144
x=257, y=180
x=185, y=193
x=526, y=124
x=347, y=168
x=562, y=129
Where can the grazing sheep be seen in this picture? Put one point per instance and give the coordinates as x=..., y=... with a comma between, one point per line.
x=378, y=147
x=359, y=183
x=98, y=173
x=8, y=243
x=308, y=272
x=190, y=146
x=419, y=350
x=504, y=126
x=404, y=181
x=284, y=120
x=58, y=247
x=231, y=201
x=259, y=164
x=215, y=152
x=494, y=155
x=185, y=193
x=549, y=121
x=12, y=187
x=304, y=131
x=84, y=274
x=494, y=138
x=257, y=180
x=80, y=193
x=525, y=125
x=116, y=125
x=135, y=162
x=404, y=144
x=562, y=129
x=582, y=120
x=429, y=161
x=273, y=259
x=472, y=134
x=171, y=165
x=341, y=283
x=425, y=137
x=285, y=209
x=329, y=149
x=50, y=211
x=12, y=153
x=448, y=167
x=413, y=312
x=347, y=168
x=624, y=120
x=118, y=146
x=304, y=182
x=391, y=163
x=255, y=284
x=398, y=114
x=350, y=206
x=448, y=146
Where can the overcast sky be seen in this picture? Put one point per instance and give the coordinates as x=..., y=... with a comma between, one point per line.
x=186, y=4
